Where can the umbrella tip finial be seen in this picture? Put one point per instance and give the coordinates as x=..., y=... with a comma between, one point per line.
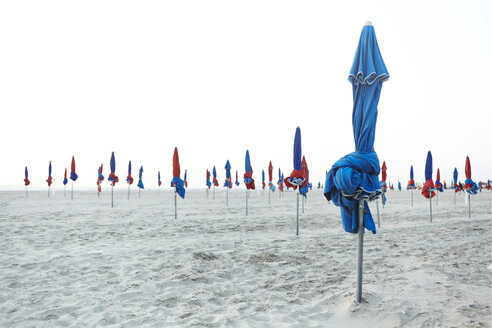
x=368, y=23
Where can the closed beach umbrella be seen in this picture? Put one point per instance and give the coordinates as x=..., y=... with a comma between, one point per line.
x=248, y=177
x=270, y=177
x=73, y=175
x=470, y=186
x=176, y=182
x=185, y=181
x=140, y=184
x=399, y=185
x=208, y=183
x=129, y=178
x=112, y=176
x=280, y=181
x=428, y=187
x=353, y=179
x=26, y=179
x=49, y=180
x=159, y=182
x=214, y=178
x=438, y=183
x=228, y=181
x=237, y=179
x=65, y=181
x=263, y=184
x=100, y=179
x=296, y=178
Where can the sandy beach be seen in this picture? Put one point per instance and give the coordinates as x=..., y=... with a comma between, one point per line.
x=80, y=263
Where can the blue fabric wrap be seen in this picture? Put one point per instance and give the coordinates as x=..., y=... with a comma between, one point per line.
x=110, y=178
x=65, y=181
x=474, y=190
x=247, y=162
x=428, y=166
x=140, y=184
x=297, y=150
x=73, y=176
x=100, y=176
x=25, y=173
x=352, y=177
x=247, y=180
x=49, y=170
x=130, y=168
x=272, y=187
x=455, y=175
x=383, y=198
x=438, y=185
x=209, y=184
x=112, y=163
x=180, y=189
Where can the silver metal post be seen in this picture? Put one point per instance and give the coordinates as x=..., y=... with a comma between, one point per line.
x=246, y=202
x=64, y=191
x=128, y=191
x=175, y=203
x=213, y=193
x=360, y=251
x=207, y=192
x=111, y=195
x=71, y=197
x=377, y=209
x=454, y=197
x=430, y=202
x=382, y=203
x=227, y=196
x=303, y=204
x=469, y=206
x=297, y=227
x=158, y=189
x=49, y=191
x=138, y=192
x=437, y=199
x=26, y=191
x=269, y=195
x=412, y=196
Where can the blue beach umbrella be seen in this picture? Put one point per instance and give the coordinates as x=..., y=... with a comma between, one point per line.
x=456, y=187
x=399, y=185
x=248, y=175
x=112, y=176
x=140, y=183
x=428, y=188
x=297, y=176
x=228, y=180
x=353, y=179
x=355, y=176
x=262, y=179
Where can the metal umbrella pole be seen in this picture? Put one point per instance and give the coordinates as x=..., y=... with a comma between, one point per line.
x=49, y=191
x=297, y=227
x=213, y=193
x=377, y=208
x=71, y=197
x=430, y=202
x=246, y=202
x=269, y=196
x=412, y=196
x=227, y=196
x=455, y=197
x=26, y=191
x=437, y=197
x=175, y=203
x=128, y=191
x=469, y=206
x=64, y=191
x=111, y=195
x=138, y=192
x=360, y=251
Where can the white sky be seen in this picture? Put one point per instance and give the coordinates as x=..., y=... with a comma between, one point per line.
x=215, y=78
